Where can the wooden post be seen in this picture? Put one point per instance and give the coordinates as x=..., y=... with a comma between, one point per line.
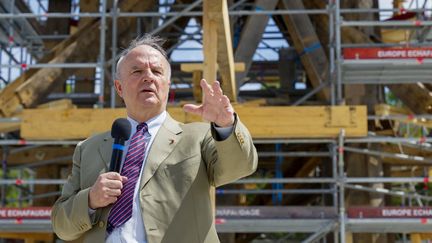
x=197, y=74
x=210, y=42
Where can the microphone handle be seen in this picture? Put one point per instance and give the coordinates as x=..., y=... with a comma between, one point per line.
x=117, y=155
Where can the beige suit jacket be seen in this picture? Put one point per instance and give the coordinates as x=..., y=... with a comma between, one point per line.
x=184, y=161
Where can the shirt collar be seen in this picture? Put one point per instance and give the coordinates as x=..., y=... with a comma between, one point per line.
x=153, y=123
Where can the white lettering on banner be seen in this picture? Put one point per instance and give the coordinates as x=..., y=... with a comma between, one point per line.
x=392, y=53
x=419, y=53
x=404, y=53
x=397, y=212
x=25, y=213
x=422, y=212
x=241, y=212
x=249, y=212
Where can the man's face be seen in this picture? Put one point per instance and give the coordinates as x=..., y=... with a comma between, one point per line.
x=144, y=81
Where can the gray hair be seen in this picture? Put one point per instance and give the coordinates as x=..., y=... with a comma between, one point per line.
x=155, y=42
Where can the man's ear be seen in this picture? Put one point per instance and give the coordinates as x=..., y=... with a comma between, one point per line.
x=118, y=86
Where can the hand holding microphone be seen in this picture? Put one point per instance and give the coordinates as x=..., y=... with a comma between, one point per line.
x=108, y=185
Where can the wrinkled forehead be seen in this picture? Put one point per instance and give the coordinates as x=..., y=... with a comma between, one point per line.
x=145, y=54
x=142, y=54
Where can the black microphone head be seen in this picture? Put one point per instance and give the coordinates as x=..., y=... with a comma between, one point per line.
x=121, y=129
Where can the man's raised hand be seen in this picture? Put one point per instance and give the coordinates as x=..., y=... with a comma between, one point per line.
x=215, y=107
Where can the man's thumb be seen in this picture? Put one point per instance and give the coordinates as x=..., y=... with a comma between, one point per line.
x=195, y=109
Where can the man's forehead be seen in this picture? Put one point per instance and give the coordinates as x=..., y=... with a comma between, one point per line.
x=145, y=50
x=145, y=53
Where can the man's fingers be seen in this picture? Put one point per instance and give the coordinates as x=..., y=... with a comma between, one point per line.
x=225, y=100
x=205, y=87
x=216, y=88
x=114, y=192
x=114, y=184
x=113, y=176
x=195, y=109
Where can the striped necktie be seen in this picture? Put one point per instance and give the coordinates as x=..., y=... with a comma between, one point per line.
x=122, y=209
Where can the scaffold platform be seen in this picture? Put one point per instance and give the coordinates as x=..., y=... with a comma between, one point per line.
x=386, y=65
x=254, y=219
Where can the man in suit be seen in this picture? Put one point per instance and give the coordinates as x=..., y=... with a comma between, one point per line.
x=166, y=197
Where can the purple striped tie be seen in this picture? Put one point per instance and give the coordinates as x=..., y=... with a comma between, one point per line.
x=122, y=209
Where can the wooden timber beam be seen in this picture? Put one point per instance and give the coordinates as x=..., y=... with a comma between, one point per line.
x=263, y=122
x=251, y=36
x=306, y=41
x=411, y=154
x=218, y=46
x=417, y=98
x=385, y=110
x=57, y=104
x=191, y=67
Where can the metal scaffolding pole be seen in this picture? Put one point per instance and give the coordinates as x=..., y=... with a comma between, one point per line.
x=331, y=16
x=52, y=65
x=388, y=192
x=295, y=154
x=416, y=23
x=341, y=179
x=311, y=93
x=417, y=159
x=198, y=13
x=314, y=180
x=102, y=53
x=273, y=191
x=177, y=16
x=285, y=180
x=333, y=148
x=114, y=13
x=321, y=232
x=337, y=22
x=32, y=182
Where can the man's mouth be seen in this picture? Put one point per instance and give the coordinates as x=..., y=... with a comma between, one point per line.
x=147, y=91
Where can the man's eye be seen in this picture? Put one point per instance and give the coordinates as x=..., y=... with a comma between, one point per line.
x=136, y=71
x=157, y=71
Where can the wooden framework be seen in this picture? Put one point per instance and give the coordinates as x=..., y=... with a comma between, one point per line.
x=263, y=122
x=218, y=49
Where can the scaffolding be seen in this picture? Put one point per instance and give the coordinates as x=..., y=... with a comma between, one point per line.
x=316, y=221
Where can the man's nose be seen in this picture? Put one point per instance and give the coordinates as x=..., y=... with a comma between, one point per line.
x=147, y=76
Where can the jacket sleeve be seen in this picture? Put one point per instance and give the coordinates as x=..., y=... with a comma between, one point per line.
x=232, y=158
x=70, y=215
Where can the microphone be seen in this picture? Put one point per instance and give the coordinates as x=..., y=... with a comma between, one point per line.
x=120, y=131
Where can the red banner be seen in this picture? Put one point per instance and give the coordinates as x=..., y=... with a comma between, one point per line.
x=25, y=213
x=390, y=212
x=387, y=53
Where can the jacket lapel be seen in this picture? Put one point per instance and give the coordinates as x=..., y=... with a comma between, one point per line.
x=166, y=139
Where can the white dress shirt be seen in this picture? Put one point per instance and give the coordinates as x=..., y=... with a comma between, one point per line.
x=132, y=231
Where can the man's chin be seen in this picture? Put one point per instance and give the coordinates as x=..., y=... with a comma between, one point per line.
x=150, y=103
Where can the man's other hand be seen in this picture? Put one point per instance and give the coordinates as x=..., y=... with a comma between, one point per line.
x=106, y=189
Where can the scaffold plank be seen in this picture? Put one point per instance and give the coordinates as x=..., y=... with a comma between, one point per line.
x=263, y=122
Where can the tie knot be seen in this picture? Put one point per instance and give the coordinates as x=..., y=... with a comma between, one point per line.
x=142, y=127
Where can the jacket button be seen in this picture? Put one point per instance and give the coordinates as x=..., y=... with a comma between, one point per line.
x=101, y=224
